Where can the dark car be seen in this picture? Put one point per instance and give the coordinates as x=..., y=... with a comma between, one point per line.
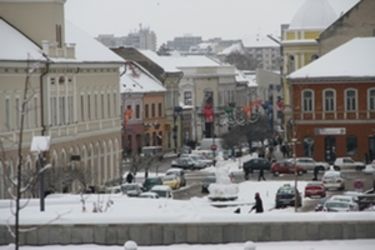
x=150, y=182
x=286, y=167
x=286, y=196
x=188, y=163
x=255, y=164
x=207, y=181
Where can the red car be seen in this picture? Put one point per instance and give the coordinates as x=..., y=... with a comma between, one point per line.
x=315, y=190
x=286, y=167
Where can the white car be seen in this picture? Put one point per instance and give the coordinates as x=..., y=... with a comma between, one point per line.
x=162, y=191
x=339, y=206
x=370, y=168
x=309, y=163
x=223, y=192
x=348, y=163
x=332, y=180
x=149, y=195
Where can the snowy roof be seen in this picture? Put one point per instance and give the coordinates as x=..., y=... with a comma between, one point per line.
x=240, y=76
x=15, y=46
x=234, y=48
x=354, y=59
x=174, y=63
x=88, y=49
x=18, y=47
x=139, y=80
x=313, y=15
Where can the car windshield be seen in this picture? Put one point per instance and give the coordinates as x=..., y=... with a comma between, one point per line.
x=285, y=190
x=153, y=180
x=336, y=205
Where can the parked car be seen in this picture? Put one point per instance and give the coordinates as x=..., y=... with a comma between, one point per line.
x=333, y=180
x=207, y=181
x=205, y=160
x=187, y=163
x=370, y=168
x=286, y=196
x=162, y=191
x=315, y=190
x=286, y=167
x=339, y=206
x=309, y=164
x=180, y=173
x=131, y=189
x=172, y=181
x=320, y=205
x=255, y=164
x=348, y=163
x=223, y=192
x=151, y=181
x=149, y=195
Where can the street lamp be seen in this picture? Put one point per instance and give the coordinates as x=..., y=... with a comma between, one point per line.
x=40, y=144
x=294, y=141
x=176, y=112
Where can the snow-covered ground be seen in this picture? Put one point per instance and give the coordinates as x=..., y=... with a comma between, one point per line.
x=290, y=245
x=68, y=209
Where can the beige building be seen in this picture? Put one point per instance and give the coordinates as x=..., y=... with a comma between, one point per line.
x=359, y=21
x=73, y=96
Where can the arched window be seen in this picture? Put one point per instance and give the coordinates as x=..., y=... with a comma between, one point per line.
x=350, y=100
x=329, y=100
x=308, y=101
x=371, y=99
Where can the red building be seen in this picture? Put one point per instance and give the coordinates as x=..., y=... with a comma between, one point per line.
x=334, y=103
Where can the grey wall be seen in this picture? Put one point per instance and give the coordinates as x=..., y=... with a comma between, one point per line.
x=165, y=234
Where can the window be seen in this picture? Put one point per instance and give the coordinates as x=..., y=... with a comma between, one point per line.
x=160, y=112
x=137, y=111
x=307, y=104
x=351, y=145
x=102, y=105
x=88, y=107
x=62, y=109
x=153, y=110
x=7, y=113
x=146, y=111
x=59, y=35
x=36, y=118
x=308, y=147
x=70, y=109
x=109, y=105
x=188, y=100
x=291, y=64
x=114, y=104
x=329, y=101
x=54, y=110
x=96, y=106
x=18, y=113
x=350, y=100
x=82, y=108
x=371, y=100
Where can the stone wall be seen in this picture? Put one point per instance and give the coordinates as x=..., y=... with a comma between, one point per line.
x=194, y=233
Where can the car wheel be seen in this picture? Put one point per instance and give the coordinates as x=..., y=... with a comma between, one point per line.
x=337, y=168
x=299, y=172
x=276, y=173
x=246, y=176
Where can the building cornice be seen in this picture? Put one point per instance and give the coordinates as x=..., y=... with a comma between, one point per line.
x=324, y=80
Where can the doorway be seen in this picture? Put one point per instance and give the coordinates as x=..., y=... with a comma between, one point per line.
x=330, y=149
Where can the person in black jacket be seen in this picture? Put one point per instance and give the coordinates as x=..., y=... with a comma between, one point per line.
x=258, y=204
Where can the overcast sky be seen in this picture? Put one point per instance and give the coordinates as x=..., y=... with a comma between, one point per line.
x=229, y=19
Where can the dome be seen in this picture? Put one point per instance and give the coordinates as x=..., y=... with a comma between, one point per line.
x=313, y=15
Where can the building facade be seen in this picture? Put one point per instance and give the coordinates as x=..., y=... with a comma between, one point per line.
x=334, y=107
x=359, y=21
x=73, y=96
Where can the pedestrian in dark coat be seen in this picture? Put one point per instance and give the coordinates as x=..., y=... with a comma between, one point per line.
x=258, y=206
x=129, y=178
x=261, y=174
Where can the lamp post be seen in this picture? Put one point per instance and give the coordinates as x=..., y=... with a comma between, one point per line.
x=40, y=144
x=176, y=112
x=294, y=141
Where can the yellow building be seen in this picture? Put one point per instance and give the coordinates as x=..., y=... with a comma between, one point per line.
x=299, y=41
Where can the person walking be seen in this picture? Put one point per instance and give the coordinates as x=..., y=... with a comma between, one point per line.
x=261, y=174
x=258, y=206
x=129, y=178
